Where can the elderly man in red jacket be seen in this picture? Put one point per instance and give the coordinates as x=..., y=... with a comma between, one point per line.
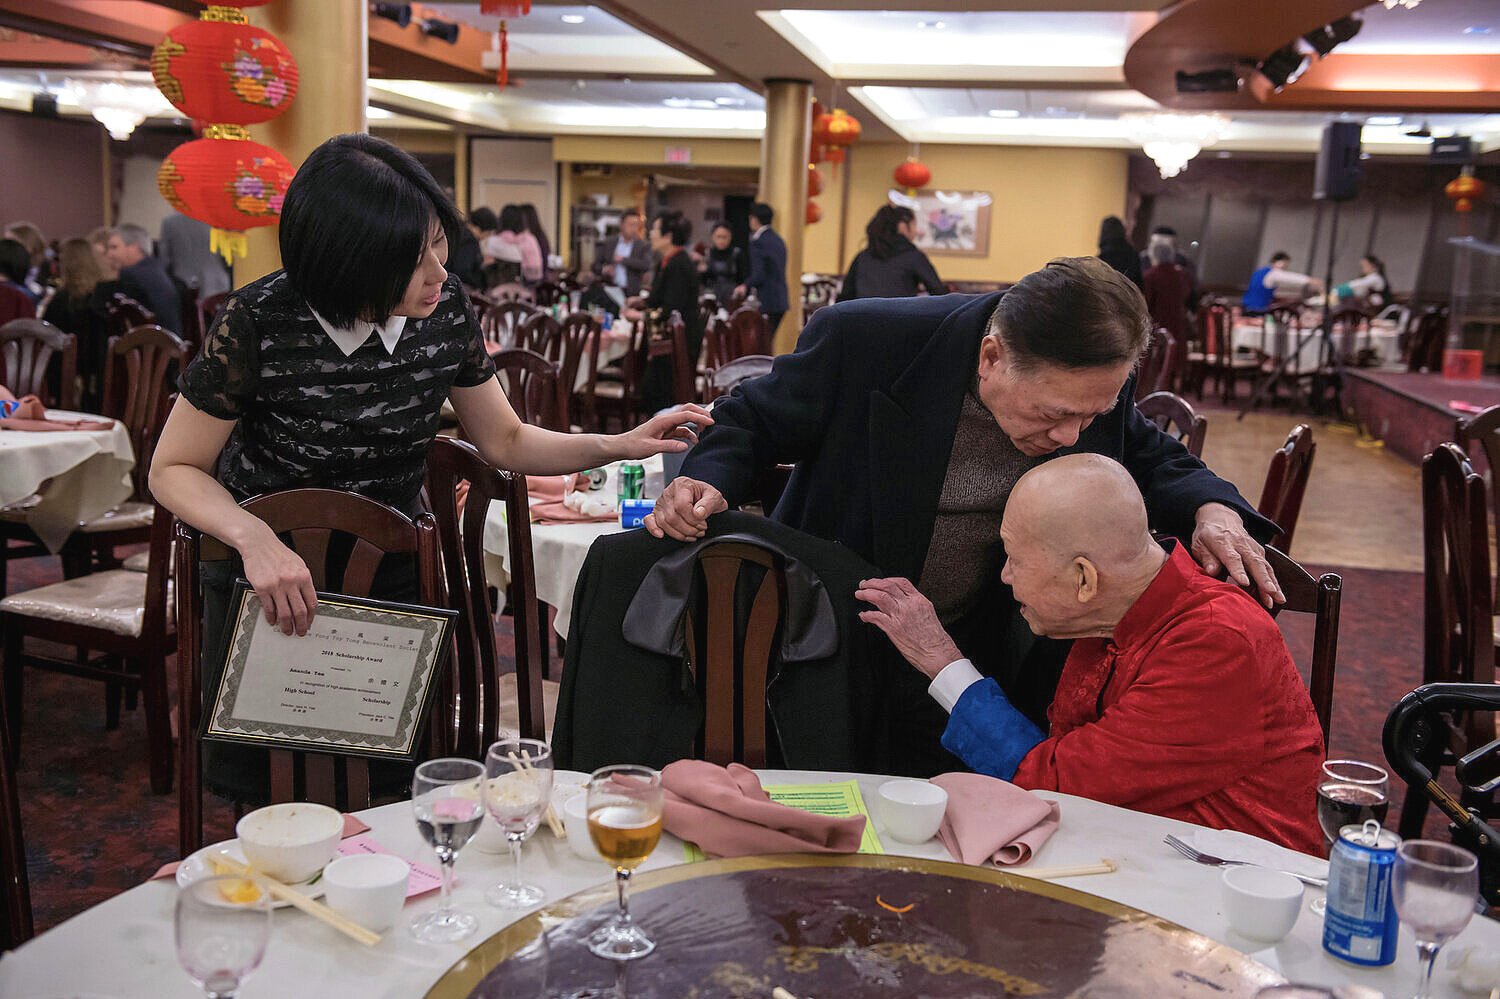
x=1179, y=696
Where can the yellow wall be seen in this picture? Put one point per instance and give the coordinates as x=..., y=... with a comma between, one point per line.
x=1048, y=203
x=820, y=249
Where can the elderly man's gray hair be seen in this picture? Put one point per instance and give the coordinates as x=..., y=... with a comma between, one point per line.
x=133, y=235
x=1162, y=252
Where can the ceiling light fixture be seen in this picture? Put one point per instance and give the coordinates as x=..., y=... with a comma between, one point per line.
x=729, y=102
x=1004, y=113
x=1384, y=119
x=118, y=107
x=572, y=19
x=1393, y=4
x=1172, y=140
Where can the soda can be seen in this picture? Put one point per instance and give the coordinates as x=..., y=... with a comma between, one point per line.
x=633, y=512
x=630, y=480
x=594, y=478
x=1361, y=923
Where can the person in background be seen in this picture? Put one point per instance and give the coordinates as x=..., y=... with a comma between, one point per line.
x=1166, y=234
x=40, y=275
x=15, y=301
x=1276, y=280
x=499, y=260
x=99, y=242
x=142, y=276
x=723, y=267
x=534, y=226
x=1115, y=249
x=1370, y=291
x=465, y=258
x=185, y=253
x=767, y=266
x=674, y=288
x=890, y=265
x=1167, y=287
x=81, y=307
x=626, y=260
x=513, y=231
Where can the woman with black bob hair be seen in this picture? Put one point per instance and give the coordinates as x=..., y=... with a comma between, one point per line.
x=674, y=288
x=331, y=373
x=890, y=265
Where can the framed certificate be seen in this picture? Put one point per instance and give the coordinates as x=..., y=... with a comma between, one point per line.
x=359, y=683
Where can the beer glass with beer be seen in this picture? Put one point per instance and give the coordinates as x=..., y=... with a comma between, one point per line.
x=624, y=810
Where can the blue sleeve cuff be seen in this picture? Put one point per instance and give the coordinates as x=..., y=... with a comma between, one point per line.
x=988, y=733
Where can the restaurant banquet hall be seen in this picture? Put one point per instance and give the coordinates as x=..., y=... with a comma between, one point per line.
x=722, y=499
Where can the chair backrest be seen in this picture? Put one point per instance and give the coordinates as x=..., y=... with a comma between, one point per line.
x=461, y=539
x=1348, y=329
x=136, y=371
x=1286, y=482
x=723, y=380
x=1173, y=415
x=308, y=520
x=547, y=293
x=209, y=308
x=480, y=305
x=748, y=333
x=512, y=291
x=15, y=886
x=501, y=323
x=1458, y=643
x=1483, y=431
x=1156, y=368
x=708, y=307
x=533, y=385
x=28, y=348
x=125, y=314
x=1214, y=319
x=672, y=343
x=539, y=333
x=577, y=349
x=731, y=658
x=1319, y=596
x=1424, y=347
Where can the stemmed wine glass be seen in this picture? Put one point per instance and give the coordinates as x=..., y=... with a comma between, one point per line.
x=446, y=797
x=517, y=791
x=1350, y=792
x=1434, y=887
x=625, y=811
x=222, y=927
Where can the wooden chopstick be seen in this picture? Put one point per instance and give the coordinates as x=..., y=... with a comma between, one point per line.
x=553, y=822
x=317, y=910
x=1105, y=866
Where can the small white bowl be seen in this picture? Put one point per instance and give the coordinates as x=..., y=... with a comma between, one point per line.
x=1260, y=903
x=576, y=822
x=912, y=810
x=290, y=842
x=369, y=888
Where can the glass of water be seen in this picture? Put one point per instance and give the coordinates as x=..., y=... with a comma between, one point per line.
x=518, y=790
x=222, y=927
x=1434, y=886
x=447, y=801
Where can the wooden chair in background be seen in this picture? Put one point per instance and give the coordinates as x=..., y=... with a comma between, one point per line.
x=15, y=885
x=547, y=294
x=539, y=333
x=1173, y=415
x=1286, y=483
x=1157, y=366
x=1218, y=358
x=723, y=380
x=672, y=344
x=1429, y=331
x=616, y=386
x=125, y=314
x=309, y=519
x=512, y=291
x=1321, y=597
x=1482, y=431
x=533, y=385
x=502, y=324
x=576, y=350
x=34, y=355
x=708, y=307
x=748, y=332
x=1349, y=337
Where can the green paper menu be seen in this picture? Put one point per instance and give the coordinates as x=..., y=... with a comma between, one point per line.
x=841, y=800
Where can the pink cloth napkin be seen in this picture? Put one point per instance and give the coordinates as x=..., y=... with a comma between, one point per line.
x=558, y=513
x=991, y=821
x=352, y=827
x=549, y=487
x=32, y=416
x=728, y=814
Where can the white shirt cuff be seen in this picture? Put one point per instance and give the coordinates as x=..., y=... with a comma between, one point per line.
x=951, y=682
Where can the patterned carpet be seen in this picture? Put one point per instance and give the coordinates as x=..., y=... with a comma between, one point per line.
x=93, y=828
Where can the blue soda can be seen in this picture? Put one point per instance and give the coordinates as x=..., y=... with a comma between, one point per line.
x=633, y=512
x=1361, y=923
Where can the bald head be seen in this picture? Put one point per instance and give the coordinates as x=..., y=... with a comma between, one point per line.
x=1078, y=547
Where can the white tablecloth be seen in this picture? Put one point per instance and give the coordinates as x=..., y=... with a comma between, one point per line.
x=89, y=473
x=1250, y=336
x=124, y=946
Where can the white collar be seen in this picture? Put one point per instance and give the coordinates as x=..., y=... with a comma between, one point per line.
x=756, y=233
x=349, y=339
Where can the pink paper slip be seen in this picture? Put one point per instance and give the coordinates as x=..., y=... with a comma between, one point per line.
x=423, y=878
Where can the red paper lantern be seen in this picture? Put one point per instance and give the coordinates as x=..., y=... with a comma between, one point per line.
x=834, y=155
x=1464, y=190
x=232, y=184
x=913, y=174
x=224, y=72
x=814, y=181
x=837, y=128
x=814, y=213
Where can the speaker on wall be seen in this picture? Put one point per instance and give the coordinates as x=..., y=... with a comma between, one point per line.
x=1337, y=175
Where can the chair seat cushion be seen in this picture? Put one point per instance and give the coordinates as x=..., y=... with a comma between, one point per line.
x=510, y=706
x=125, y=517
x=113, y=601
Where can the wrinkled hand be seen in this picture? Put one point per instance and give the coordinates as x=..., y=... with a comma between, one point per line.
x=683, y=509
x=281, y=580
x=673, y=431
x=1220, y=541
x=910, y=622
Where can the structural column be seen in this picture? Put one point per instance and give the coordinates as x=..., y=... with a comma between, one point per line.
x=330, y=41
x=783, y=186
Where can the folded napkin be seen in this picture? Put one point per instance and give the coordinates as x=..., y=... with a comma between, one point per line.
x=550, y=487
x=728, y=814
x=352, y=827
x=992, y=821
x=31, y=415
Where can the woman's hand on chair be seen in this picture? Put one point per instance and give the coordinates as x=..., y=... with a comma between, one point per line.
x=281, y=580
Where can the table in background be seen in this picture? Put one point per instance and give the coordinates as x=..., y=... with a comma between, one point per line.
x=129, y=950
x=86, y=472
x=1251, y=336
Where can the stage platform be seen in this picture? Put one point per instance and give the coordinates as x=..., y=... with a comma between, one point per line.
x=1410, y=410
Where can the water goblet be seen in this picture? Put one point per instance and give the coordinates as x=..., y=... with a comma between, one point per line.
x=446, y=799
x=517, y=791
x=1434, y=887
x=1349, y=793
x=222, y=926
x=625, y=815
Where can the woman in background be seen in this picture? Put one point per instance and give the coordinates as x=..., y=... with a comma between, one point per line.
x=724, y=267
x=81, y=307
x=890, y=265
x=15, y=301
x=673, y=289
x=39, y=273
x=534, y=226
x=1371, y=290
x=1115, y=249
x=513, y=231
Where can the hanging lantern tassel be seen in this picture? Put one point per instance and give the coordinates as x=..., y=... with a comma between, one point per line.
x=504, y=77
x=228, y=244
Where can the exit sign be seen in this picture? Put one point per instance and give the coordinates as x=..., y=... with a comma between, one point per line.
x=679, y=154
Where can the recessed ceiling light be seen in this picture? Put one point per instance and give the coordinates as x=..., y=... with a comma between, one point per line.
x=1477, y=29
x=572, y=19
x=1004, y=113
x=1384, y=119
x=689, y=102
x=934, y=25
x=729, y=102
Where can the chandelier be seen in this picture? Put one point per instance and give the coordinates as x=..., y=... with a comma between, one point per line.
x=1406, y=4
x=1172, y=140
x=119, y=107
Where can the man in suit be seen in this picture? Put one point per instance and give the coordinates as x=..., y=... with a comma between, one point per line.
x=767, y=266
x=142, y=276
x=185, y=253
x=626, y=260
x=909, y=420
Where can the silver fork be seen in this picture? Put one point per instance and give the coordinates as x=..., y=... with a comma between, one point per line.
x=1207, y=858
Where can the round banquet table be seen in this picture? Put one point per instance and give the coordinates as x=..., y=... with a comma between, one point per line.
x=123, y=947
x=1250, y=336
x=86, y=472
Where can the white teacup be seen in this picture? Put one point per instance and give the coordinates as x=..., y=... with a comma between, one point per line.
x=912, y=810
x=1260, y=903
x=576, y=822
x=290, y=842
x=369, y=888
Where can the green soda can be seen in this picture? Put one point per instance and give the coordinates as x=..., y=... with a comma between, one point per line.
x=631, y=481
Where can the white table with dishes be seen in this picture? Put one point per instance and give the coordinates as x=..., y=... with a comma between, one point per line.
x=124, y=947
x=1250, y=335
x=79, y=474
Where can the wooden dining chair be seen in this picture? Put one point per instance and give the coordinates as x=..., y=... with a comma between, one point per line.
x=491, y=705
x=533, y=385
x=672, y=344
x=723, y=380
x=539, y=333
x=1321, y=597
x=15, y=884
x=1349, y=337
x=616, y=387
x=1157, y=367
x=547, y=293
x=748, y=333
x=309, y=521
x=1286, y=483
x=512, y=291
x=501, y=324
x=708, y=307
x=1429, y=331
x=125, y=314
x=34, y=355
x=576, y=351
x=730, y=656
x=1173, y=415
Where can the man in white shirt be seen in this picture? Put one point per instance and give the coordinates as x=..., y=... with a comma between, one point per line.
x=625, y=261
